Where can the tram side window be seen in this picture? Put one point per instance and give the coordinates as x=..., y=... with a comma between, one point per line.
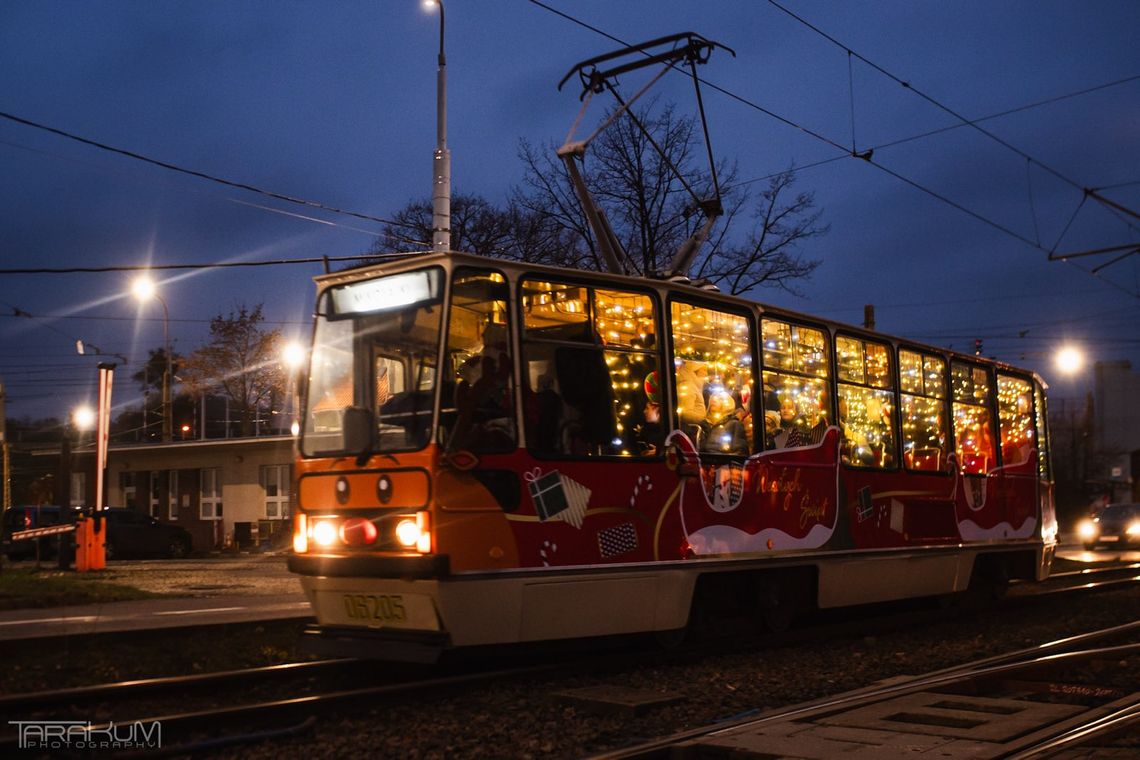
x=591, y=359
x=922, y=378
x=866, y=402
x=1015, y=415
x=477, y=408
x=713, y=376
x=796, y=407
x=1043, y=439
x=973, y=427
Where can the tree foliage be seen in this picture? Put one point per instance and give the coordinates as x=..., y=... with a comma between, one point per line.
x=476, y=227
x=150, y=376
x=241, y=362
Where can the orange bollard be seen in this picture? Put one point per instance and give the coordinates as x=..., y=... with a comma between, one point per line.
x=82, y=545
x=99, y=544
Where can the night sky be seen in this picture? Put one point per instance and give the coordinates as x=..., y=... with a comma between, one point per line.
x=335, y=103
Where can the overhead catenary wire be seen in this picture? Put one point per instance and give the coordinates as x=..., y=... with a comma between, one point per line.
x=1087, y=191
x=847, y=153
x=868, y=155
x=237, y=201
x=200, y=265
x=202, y=175
x=929, y=99
x=951, y=127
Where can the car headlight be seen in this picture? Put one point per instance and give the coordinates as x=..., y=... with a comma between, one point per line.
x=1086, y=530
x=1133, y=528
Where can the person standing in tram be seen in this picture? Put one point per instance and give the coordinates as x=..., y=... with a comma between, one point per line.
x=650, y=431
x=692, y=377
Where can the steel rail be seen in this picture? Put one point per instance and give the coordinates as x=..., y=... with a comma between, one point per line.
x=131, y=689
x=1023, y=659
x=291, y=709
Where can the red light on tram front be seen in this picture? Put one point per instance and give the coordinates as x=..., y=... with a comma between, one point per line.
x=358, y=531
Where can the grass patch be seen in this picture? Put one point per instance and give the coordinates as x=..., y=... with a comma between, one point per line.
x=23, y=588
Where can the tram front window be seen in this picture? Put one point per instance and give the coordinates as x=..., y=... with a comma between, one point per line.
x=375, y=348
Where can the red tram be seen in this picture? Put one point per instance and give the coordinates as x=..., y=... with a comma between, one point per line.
x=496, y=452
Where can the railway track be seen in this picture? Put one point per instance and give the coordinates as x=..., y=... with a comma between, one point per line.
x=1029, y=703
x=246, y=705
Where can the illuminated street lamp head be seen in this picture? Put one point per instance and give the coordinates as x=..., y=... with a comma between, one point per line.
x=84, y=418
x=293, y=354
x=143, y=288
x=430, y=5
x=1069, y=360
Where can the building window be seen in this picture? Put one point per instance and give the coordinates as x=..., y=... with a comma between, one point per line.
x=275, y=480
x=172, y=494
x=154, y=489
x=128, y=484
x=211, y=490
x=78, y=489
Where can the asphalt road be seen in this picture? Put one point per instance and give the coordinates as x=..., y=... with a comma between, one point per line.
x=242, y=588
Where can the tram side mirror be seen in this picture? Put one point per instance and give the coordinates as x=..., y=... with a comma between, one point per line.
x=358, y=426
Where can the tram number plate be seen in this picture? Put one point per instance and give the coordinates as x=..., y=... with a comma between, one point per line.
x=375, y=608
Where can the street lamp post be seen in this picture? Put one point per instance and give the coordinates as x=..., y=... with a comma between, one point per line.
x=1070, y=361
x=144, y=290
x=293, y=356
x=441, y=159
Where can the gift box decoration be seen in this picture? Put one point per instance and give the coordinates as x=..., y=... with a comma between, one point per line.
x=558, y=497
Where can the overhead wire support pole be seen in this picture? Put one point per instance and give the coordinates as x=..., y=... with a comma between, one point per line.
x=441, y=158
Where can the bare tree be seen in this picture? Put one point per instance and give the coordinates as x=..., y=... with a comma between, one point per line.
x=652, y=212
x=476, y=227
x=241, y=362
x=767, y=256
x=647, y=203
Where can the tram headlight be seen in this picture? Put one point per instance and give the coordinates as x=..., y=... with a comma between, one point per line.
x=324, y=533
x=412, y=532
x=1086, y=530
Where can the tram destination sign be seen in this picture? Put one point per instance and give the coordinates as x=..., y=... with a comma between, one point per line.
x=386, y=293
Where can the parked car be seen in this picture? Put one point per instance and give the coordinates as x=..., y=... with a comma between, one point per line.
x=129, y=534
x=1117, y=524
x=133, y=534
x=24, y=518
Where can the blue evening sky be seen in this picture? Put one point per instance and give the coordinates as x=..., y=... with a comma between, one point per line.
x=335, y=102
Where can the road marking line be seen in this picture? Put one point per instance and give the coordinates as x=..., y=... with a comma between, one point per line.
x=29, y=621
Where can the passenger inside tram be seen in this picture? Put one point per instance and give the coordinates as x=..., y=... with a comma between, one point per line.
x=649, y=432
x=722, y=431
